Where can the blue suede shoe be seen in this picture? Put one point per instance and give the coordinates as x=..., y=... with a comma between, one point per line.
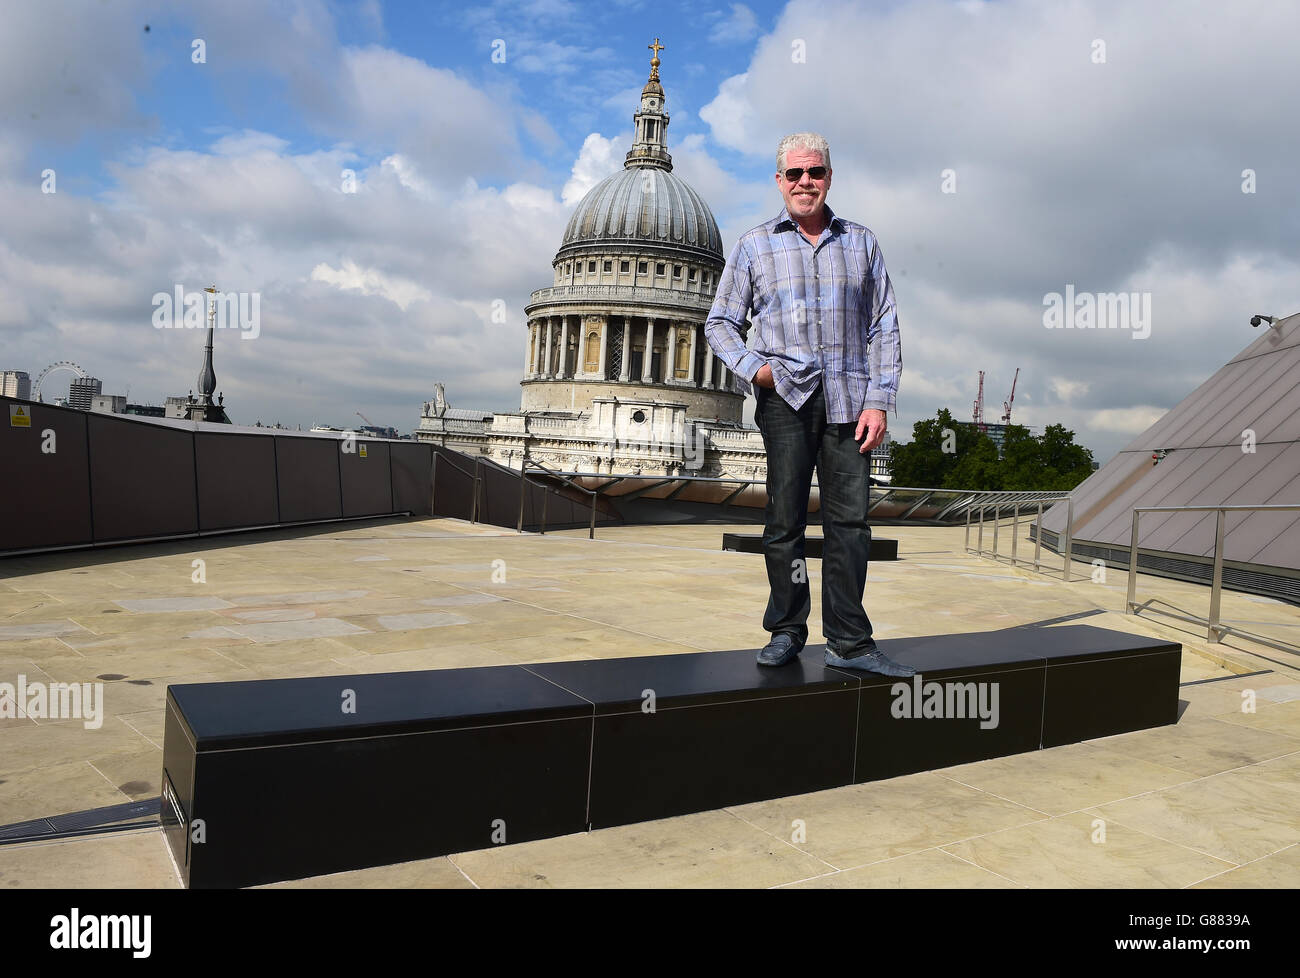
x=873, y=661
x=783, y=648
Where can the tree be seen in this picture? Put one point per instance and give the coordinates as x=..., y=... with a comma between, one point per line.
x=923, y=461
x=946, y=454
x=978, y=465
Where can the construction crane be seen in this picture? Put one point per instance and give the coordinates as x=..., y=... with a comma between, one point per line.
x=1006, y=405
x=365, y=419
x=979, y=406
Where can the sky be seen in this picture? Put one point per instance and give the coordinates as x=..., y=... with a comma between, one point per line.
x=382, y=176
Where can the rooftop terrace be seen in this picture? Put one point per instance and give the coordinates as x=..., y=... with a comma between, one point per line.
x=1213, y=801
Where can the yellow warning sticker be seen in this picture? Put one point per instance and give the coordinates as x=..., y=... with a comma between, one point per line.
x=19, y=416
x=363, y=451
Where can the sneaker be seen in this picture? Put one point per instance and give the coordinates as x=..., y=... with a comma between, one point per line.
x=873, y=661
x=783, y=648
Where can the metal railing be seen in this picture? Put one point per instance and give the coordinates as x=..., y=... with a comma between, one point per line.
x=1215, y=629
x=997, y=505
x=539, y=468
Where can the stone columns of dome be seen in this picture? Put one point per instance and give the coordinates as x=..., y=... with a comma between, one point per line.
x=563, y=372
x=590, y=361
x=602, y=368
x=646, y=376
x=709, y=358
x=550, y=332
x=625, y=366
x=530, y=349
x=690, y=360
x=670, y=352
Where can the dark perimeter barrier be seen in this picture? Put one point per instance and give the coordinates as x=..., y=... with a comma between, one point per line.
x=86, y=479
x=287, y=778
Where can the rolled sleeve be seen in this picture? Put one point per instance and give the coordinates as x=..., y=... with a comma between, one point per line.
x=731, y=305
x=884, y=347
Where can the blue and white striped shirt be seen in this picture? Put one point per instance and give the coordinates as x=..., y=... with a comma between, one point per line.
x=821, y=311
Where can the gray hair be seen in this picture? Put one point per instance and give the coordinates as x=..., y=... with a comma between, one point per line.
x=811, y=141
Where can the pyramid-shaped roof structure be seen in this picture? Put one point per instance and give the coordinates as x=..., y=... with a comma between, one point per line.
x=1206, y=464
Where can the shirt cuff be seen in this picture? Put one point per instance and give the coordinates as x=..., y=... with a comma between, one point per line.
x=879, y=401
x=749, y=365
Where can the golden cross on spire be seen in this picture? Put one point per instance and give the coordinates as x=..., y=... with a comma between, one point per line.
x=654, y=62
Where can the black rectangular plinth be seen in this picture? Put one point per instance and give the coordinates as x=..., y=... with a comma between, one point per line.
x=279, y=781
x=752, y=543
x=989, y=694
x=688, y=733
x=282, y=779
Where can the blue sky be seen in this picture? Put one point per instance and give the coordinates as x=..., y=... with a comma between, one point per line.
x=579, y=66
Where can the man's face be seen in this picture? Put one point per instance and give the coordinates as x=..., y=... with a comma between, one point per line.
x=804, y=197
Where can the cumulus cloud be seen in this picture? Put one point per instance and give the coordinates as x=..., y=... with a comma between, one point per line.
x=739, y=25
x=371, y=281
x=367, y=298
x=598, y=158
x=1106, y=175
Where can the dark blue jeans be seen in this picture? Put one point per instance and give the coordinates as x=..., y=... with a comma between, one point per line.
x=796, y=441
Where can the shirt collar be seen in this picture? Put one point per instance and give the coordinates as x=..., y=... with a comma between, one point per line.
x=785, y=222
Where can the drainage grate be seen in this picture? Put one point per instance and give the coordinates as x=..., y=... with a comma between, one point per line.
x=92, y=821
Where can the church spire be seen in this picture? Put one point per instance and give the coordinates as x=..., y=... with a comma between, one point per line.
x=650, y=142
x=208, y=376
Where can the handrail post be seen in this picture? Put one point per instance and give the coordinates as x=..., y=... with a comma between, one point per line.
x=1069, y=535
x=997, y=512
x=979, y=537
x=473, y=513
x=523, y=488
x=591, y=531
x=1038, y=536
x=1129, y=602
x=1015, y=531
x=1215, y=632
x=966, y=542
x=546, y=497
x=433, y=484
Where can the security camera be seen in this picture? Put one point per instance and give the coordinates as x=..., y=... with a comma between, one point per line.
x=1256, y=320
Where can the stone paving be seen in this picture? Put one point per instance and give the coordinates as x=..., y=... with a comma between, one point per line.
x=1212, y=802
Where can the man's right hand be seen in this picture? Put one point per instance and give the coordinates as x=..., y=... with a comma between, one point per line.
x=764, y=377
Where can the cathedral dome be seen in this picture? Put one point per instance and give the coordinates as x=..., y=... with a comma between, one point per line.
x=643, y=205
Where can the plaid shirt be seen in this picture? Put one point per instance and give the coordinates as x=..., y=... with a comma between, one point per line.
x=821, y=311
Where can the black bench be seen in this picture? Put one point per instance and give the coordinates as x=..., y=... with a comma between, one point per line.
x=752, y=543
x=278, y=782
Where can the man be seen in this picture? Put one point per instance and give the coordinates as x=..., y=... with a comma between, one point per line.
x=825, y=369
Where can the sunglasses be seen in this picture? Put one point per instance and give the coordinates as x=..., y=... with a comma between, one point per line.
x=793, y=174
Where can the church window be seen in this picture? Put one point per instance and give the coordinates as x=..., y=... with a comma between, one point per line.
x=591, y=266
x=692, y=275
x=641, y=267
x=622, y=266
x=677, y=271
x=659, y=268
x=609, y=266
